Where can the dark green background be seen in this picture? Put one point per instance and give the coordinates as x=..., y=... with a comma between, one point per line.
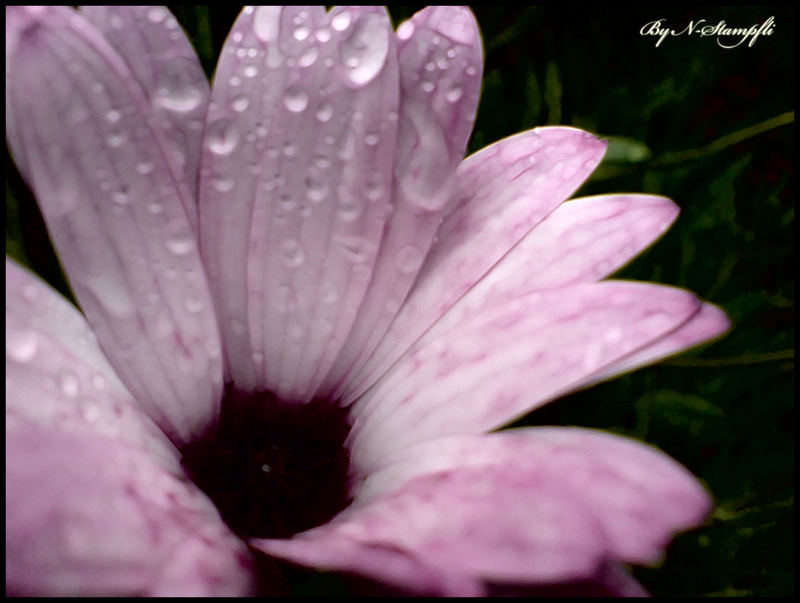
x=713, y=130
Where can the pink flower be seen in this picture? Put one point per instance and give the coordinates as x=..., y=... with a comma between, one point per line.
x=299, y=296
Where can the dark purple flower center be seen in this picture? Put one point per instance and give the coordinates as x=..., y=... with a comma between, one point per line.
x=273, y=469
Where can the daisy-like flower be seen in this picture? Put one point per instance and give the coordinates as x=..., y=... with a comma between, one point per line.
x=304, y=312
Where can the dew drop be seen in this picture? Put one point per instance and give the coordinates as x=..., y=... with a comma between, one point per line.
x=145, y=167
x=328, y=294
x=98, y=381
x=323, y=35
x=309, y=57
x=121, y=196
x=222, y=184
x=365, y=50
x=69, y=383
x=235, y=81
x=113, y=116
x=179, y=85
x=250, y=71
x=353, y=248
x=324, y=112
x=453, y=94
x=428, y=86
x=295, y=100
x=316, y=190
x=409, y=259
x=90, y=411
x=156, y=15
x=180, y=244
x=293, y=254
x=193, y=303
x=115, y=139
x=371, y=139
x=22, y=345
x=240, y=103
x=301, y=33
x=341, y=21
x=222, y=137
x=154, y=208
x=289, y=149
x=406, y=30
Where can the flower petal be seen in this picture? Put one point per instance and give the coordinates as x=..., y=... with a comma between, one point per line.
x=537, y=505
x=79, y=128
x=163, y=61
x=295, y=183
x=510, y=359
x=441, y=63
x=708, y=323
x=582, y=240
x=87, y=515
x=501, y=193
x=57, y=376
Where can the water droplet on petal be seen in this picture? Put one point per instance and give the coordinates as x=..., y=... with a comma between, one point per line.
x=365, y=50
x=316, y=190
x=222, y=137
x=180, y=244
x=324, y=112
x=116, y=139
x=90, y=411
x=179, y=85
x=341, y=21
x=293, y=254
x=98, y=381
x=301, y=33
x=453, y=94
x=323, y=35
x=309, y=57
x=295, y=100
x=113, y=116
x=353, y=248
x=250, y=71
x=145, y=167
x=156, y=14
x=409, y=259
x=406, y=30
x=240, y=103
x=69, y=383
x=22, y=345
x=121, y=196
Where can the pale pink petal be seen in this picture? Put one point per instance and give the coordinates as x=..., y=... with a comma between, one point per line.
x=441, y=61
x=610, y=580
x=163, y=61
x=78, y=127
x=510, y=359
x=530, y=506
x=57, y=376
x=501, y=193
x=295, y=184
x=708, y=323
x=88, y=515
x=583, y=240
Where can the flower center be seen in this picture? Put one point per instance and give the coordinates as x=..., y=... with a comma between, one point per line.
x=273, y=469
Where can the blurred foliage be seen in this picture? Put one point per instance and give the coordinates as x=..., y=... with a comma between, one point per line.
x=709, y=128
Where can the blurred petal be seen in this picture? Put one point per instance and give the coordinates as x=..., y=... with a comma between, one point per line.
x=441, y=63
x=80, y=129
x=163, y=61
x=501, y=193
x=57, y=376
x=510, y=359
x=87, y=515
x=538, y=505
x=295, y=184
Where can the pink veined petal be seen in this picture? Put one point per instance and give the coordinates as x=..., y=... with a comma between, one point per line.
x=501, y=193
x=79, y=128
x=89, y=515
x=163, y=61
x=57, y=376
x=510, y=359
x=441, y=61
x=529, y=506
x=582, y=240
x=708, y=323
x=295, y=184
